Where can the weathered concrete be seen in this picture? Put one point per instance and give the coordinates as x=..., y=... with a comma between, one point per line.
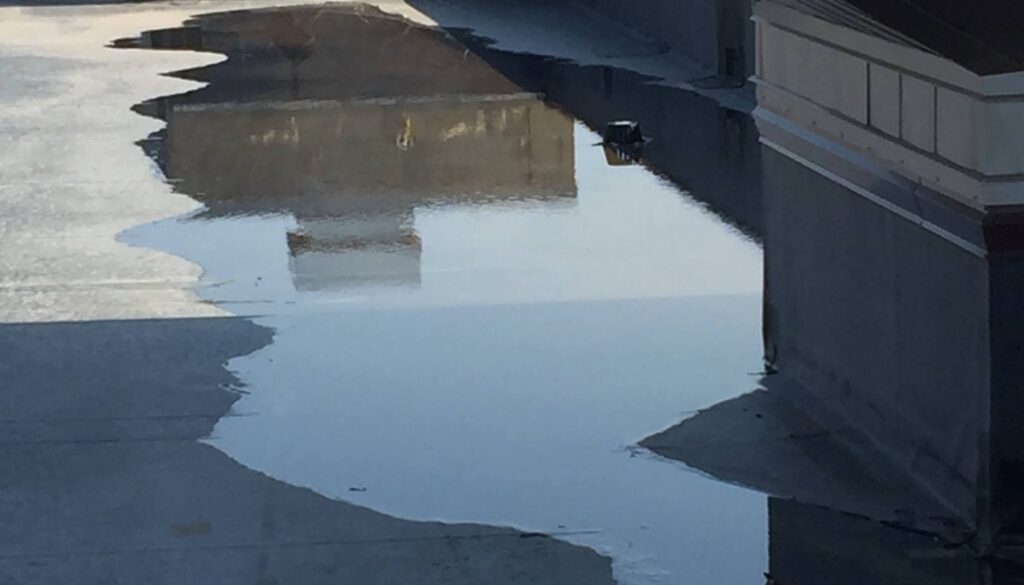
x=102, y=480
x=763, y=441
x=62, y=123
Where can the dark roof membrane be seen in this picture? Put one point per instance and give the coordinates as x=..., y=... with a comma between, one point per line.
x=984, y=36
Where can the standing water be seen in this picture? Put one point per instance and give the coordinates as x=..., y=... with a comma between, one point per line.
x=477, y=312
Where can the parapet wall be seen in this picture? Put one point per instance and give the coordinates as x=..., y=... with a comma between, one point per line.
x=927, y=117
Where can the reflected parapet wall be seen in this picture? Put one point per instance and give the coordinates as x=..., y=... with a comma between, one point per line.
x=353, y=172
x=472, y=146
x=334, y=51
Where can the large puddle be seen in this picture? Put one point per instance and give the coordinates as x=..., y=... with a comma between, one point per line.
x=477, y=312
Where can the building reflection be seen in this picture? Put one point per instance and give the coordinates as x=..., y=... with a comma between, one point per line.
x=351, y=143
x=350, y=120
x=353, y=173
x=708, y=150
x=886, y=190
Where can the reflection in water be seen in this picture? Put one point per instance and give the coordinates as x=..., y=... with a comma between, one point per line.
x=381, y=146
x=554, y=307
x=885, y=195
x=709, y=150
x=350, y=158
x=354, y=202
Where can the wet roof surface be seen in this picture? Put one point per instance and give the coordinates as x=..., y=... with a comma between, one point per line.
x=443, y=334
x=460, y=250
